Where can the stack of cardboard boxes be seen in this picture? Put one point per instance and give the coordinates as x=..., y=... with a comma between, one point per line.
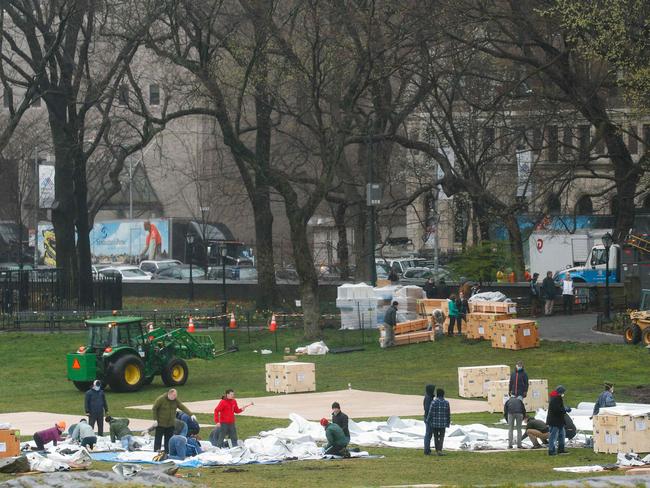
x=290, y=377
x=474, y=381
x=537, y=396
x=480, y=325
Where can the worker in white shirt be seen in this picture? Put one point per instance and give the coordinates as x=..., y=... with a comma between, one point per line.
x=567, y=294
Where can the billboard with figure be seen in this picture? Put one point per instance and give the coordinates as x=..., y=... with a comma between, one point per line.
x=114, y=241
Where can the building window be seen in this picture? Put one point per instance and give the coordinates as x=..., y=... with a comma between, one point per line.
x=584, y=142
x=537, y=141
x=154, y=94
x=585, y=206
x=633, y=140
x=123, y=95
x=7, y=99
x=567, y=141
x=488, y=138
x=552, y=135
x=553, y=204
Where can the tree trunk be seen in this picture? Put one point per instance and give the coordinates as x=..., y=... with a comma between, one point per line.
x=342, y=253
x=516, y=246
x=306, y=272
x=84, y=259
x=481, y=218
x=63, y=212
x=266, y=285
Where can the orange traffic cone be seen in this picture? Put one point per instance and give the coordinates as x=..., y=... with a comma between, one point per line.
x=190, y=325
x=273, y=325
x=233, y=322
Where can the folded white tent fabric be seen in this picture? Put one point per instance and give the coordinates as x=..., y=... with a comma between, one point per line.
x=400, y=433
x=489, y=296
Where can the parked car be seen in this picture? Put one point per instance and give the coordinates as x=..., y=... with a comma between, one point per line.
x=400, y=265
x=181, y=272
x=418, y=276
x=128, y=273
x=154, y=267
x=216, y=273
x=96, y=268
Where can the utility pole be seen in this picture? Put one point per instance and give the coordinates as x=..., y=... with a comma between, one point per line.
x=373, y=198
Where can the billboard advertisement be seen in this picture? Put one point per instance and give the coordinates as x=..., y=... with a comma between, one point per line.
x=45, y=186
x=114, y=241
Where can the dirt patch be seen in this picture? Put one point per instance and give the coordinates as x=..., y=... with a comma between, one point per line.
x=640, y=394
x=234, y=470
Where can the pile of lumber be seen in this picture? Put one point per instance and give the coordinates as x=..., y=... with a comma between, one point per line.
x=409, y=332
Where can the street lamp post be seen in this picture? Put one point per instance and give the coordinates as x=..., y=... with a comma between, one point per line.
x=607, y=243
x=189, y=238
x=223, y=251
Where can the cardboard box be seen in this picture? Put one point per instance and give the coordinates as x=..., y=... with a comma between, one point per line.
x=485, y=306
x=290, y=377
x=515, y=334
x=479, y=325
x=9, y=443
x=537, y=395
x=622, y=433
x=473, y=381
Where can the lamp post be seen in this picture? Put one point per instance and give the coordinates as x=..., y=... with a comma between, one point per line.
x=223, y=252
x=189, y=239
x=607, y=243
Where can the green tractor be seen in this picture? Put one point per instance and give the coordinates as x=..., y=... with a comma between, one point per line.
x=122, y=354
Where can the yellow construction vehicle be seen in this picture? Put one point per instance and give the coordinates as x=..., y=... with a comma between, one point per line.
x=638, y=330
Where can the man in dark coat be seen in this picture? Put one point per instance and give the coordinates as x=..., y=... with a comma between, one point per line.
x=514, y=412
x=430, y=288
x=429, y=394
x=340, y=419
x=439, y=418
x=537, y=431
x=390, y=321
x=534, y=295
x=548, y=292
x=96, y=406
x=555, y=419
x=518, y=385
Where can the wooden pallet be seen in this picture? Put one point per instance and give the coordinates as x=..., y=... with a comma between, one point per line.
x=409, y=337
x=493, y=307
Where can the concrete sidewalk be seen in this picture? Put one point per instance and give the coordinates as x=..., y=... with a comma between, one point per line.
x=355, y=403
x=574, y=328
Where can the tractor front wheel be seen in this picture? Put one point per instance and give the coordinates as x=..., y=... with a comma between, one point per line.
x=175, y=372
x=83, y=385
x=632, y=334
x=127, y=374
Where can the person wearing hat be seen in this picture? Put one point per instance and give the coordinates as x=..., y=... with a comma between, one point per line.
x=606, y=399
x=96, y=406
x=556, y=422
x=53, y=434
x=337, y=442
x=340, y=419
x=84, y=434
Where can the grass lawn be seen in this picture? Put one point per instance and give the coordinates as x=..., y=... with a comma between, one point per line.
x=34, y=378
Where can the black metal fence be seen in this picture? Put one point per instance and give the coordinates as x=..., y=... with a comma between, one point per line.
x=44, y=290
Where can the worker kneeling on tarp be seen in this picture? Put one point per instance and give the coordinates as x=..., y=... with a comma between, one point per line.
x=337, y=442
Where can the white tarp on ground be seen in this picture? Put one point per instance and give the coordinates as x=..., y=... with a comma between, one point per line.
x=402, y=433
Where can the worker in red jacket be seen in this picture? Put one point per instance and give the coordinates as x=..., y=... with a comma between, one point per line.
x=224, y=417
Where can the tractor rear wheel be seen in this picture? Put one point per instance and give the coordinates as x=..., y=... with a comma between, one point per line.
x=175, y=372
x=83, y=385
x=645, y=336
x=127, y=374
x=632, y=334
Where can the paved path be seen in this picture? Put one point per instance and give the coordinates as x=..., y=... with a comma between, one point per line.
x=355, y=403
x=575, y=328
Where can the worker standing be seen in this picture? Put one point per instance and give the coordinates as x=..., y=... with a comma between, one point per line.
x=518, y=385
x=514, y=411
x=96, y=406
x=429, y=395
x=390, y=321
x=340, y=419
x=164, y=416
x=556, y=422
x=567, y=294
x=534, y=295
x=439, y=418
x=452, y=304
x=548, y=291
x=224, y=417
x=605, y=399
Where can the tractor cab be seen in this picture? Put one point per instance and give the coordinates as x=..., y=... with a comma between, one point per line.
x=113, y=332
